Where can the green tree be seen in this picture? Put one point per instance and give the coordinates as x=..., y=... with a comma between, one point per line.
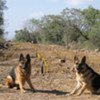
x=25, y=36
x=52, y=28
x=92, y=24
x=2, y=7
x=71, y=25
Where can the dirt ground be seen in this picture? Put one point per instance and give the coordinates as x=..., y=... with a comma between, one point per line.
x=54, y=85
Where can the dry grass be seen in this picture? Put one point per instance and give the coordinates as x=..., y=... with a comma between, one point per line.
x=55, y=84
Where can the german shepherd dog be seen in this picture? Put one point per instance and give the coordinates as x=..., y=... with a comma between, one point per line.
x=86, y=78
x=21, y=73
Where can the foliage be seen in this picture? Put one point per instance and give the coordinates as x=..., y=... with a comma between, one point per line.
x=24, y=36
x=71, y=25
x=2, y=7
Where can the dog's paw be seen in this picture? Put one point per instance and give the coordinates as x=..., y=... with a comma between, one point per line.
x=23, y=91
x=68, y=94
x=78, y=94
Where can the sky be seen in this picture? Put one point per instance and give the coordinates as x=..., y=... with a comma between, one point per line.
x=21, y=10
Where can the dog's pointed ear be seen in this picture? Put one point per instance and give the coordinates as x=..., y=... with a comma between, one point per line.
x=76, y=60
x=28, y=58
x=83, y=59
x=21, y=57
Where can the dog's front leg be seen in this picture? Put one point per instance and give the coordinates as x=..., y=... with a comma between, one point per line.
x=29, y=83
x=76, y=88
x=82, y=89
x=21, y=87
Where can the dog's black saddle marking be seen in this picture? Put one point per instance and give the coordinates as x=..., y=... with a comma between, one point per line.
x=12, y=74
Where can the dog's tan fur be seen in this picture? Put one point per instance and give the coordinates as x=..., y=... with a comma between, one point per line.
x=21, y=75
x=84, y=80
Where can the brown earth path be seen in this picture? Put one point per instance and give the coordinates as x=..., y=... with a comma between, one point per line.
x=55, y=84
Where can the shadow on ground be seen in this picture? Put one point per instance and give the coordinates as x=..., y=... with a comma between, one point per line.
x=56, y=92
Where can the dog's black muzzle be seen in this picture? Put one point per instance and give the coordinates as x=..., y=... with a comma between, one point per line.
x=79, y=68
x=23, y=66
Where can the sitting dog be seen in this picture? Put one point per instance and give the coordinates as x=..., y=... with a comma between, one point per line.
x=86, y=78
x=20, y=74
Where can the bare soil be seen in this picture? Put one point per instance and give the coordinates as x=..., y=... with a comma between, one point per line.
x=54, y=85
